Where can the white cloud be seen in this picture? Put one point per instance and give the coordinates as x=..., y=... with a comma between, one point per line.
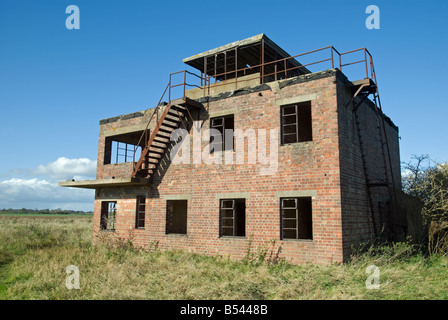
x=36, y=193
x=64, y=168
x=13, y=186
x=38, y=188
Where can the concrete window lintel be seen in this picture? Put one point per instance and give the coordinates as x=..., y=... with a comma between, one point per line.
x=233, y=195
x=223, y=113
x=176, y=197
x=124, y=130
x=298, y=99
x=296, y=194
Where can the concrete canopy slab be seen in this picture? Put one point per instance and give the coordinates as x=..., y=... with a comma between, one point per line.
x=249, y=55
x=94, y=184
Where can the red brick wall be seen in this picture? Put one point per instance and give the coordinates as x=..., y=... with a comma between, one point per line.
x=359, y=224
x=308, y=167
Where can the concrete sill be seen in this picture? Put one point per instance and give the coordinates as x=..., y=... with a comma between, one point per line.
x=232, y=237
x=298, y=240
x=296, y=144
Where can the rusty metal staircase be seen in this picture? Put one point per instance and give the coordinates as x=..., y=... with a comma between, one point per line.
x=167, y=117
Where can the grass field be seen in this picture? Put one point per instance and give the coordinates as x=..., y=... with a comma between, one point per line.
x=72, y=215
x=35, y=251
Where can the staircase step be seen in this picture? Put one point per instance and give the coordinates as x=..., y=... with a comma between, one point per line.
x=156, y=150
x=178, y=108
x=176, y=114
x=170, y=124
x=154, y=155
x=157, y=144
x=163, y=134
x=153, y=161
x=173, y=117
x=161, y=140
x=166, y=129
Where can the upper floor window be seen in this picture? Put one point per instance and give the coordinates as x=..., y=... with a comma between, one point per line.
x=296, y=123
x=120, y=149
x=225, y=126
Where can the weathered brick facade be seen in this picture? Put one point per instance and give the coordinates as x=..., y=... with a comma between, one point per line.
x=310, y=201
x=328, y=169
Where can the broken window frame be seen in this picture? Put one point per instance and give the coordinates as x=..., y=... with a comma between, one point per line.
x=140, y=213
x=300, y=205
x=108, y=215
x=300, y=128
x=222, y=128
x=235, y=217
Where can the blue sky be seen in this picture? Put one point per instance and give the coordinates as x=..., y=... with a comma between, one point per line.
x=56, y=84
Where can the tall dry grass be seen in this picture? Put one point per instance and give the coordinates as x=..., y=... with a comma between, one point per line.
x=35, y=251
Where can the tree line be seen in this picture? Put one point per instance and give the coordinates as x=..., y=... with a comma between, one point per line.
x=43, y=211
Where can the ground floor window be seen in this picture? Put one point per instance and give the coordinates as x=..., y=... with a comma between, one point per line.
x=108, y=213
x=296, y=218
x=140, y=213
x=176, y=216
x=233, y=217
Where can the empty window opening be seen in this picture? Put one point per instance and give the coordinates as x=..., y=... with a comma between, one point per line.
x=120, y=149
x=140, y=213
x=233, y=217
x=225, y=126
x=123, y=152
x=296, y=123
x=296, y=218
x=108, y=214
x=176, y=216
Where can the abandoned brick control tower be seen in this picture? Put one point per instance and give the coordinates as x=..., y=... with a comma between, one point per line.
x=336, y=179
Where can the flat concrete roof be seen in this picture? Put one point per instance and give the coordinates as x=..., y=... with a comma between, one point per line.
x=226, y=47
x=250, y=53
